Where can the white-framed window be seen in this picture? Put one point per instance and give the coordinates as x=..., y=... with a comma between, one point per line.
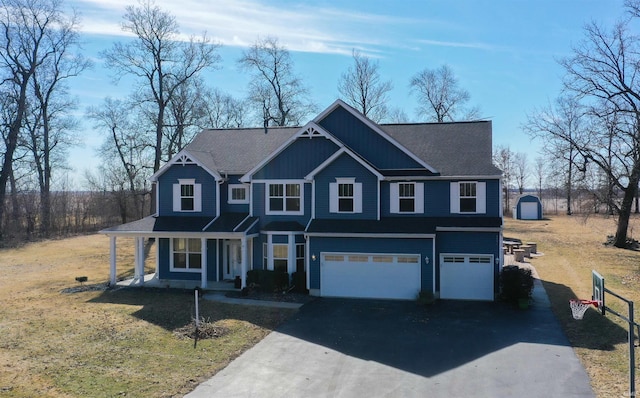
x=407, y=198
x=187, y=195
x=468, y=197
x=238, y=193
x=284, y=198
x=300, y=257
x=186, y=254
x=345, y=196
x=281, y=257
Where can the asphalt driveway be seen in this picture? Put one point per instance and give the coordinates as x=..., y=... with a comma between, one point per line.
x=376, y=348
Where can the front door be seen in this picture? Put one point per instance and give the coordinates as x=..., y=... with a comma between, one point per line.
x=232, y=259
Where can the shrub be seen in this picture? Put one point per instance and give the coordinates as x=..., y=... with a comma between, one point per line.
x=267, y=280
x=425, y=298
x=299, y=282
x=515, y=283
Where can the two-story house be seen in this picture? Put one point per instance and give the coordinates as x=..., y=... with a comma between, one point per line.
x=365, y=210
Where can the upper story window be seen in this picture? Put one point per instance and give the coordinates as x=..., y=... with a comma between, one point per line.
x=345, y=196
x=407, y=197
x=238, y=193
x=284, y=198
x=468, y=197
x=187, y=195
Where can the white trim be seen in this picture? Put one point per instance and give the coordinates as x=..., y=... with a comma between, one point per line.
x=368, y=235
x=172, y=268
x=442, y=177
x=418, y=197
x=183, y=158
x=481, y=197
x=337, y=154
x=373, y=127
x=284, y=183
x=334, y=195
x=231, y=187
x=177, y=195
x=468, y=229
x=247, y=177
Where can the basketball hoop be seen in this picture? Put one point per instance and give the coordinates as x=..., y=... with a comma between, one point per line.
x=579, y=307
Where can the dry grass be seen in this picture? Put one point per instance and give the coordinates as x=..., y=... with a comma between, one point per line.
x=106, y=343
x=572, y=247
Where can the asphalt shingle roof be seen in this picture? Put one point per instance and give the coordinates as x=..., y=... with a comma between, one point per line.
x=401, y=225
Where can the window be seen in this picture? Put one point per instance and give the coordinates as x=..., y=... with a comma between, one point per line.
x=407, y=197
x=281, y=258
x=467, y=197
x=187, y=195
x=238, y=193
x=284, y=198
x=300, y=257
x=187, y=254
x=345, y=196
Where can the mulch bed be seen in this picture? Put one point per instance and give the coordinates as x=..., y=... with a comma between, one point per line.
x=206, y=330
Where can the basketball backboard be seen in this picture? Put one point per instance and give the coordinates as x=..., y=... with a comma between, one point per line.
x=598, y=290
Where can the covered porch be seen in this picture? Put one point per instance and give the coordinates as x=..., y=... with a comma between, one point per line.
x=189, y=251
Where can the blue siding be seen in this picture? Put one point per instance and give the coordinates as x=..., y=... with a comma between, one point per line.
x=164, y=262
x=225, y=206
x=298, y=159
x=366, y=142
x=528, y=199
x=346, y=166
x=171, y=176
x=424, y=247
x=259, y=208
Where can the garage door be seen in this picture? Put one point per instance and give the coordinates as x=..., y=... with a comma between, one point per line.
x=466, y=277
x=389, y=276
x=529, y=211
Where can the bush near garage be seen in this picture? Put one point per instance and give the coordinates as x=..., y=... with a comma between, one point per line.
x=267, y=280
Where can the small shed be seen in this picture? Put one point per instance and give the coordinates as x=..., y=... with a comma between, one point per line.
x=528, y=207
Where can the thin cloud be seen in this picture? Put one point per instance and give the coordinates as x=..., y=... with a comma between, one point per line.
x=241, y=22
x=476, y=46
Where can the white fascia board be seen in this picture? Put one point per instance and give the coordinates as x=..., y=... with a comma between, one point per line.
x=177, y=234
x=249, y=174
x=368, y=235
x=441, y=177
x=469, y=229
x=375, y=128
x=174, y=160
x=332, y=158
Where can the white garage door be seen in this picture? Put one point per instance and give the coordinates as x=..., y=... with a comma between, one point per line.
x=529, y=211
x=466, y=277
x=389, y=276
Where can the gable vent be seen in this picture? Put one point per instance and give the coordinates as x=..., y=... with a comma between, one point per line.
x=184, y=160
x=311, y=132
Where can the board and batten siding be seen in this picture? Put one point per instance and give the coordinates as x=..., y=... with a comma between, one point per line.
x=298, y=159
x=208, y=187
x=346, y=167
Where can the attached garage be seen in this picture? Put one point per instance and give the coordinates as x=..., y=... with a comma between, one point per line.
x=370, y=275
x=466, y=277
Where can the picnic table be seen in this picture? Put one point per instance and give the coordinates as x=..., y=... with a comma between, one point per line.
x=511, y=244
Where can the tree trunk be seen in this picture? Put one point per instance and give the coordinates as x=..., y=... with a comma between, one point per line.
x=625, y=208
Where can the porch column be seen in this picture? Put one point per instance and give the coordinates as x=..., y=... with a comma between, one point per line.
x=243, y=263
x=112, y=261
x=203, y=265
x=291, y=254
x=139, y=260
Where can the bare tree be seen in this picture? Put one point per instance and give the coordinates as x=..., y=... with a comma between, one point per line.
x=275, y=89
x=222, y=110
x=160, y=61
x=126, y=178
x=561, y=127
x=440, y=97
x=605, y=68
x=520, y=170
x=503, y=159
x=363, y=87
x=540, y=171
x=35, y=35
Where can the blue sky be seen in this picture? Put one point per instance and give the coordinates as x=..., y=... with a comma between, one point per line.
x=504, y=52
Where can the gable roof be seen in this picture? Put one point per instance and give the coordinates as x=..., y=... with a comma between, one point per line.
x=454, y=149
x=461, y=149
x=236, y=151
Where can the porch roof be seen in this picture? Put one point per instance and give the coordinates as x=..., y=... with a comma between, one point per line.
x=226, y=223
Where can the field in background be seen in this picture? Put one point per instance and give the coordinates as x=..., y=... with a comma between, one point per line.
x=572, y=247
x=56, y=341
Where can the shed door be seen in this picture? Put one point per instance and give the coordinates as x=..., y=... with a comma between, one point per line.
x=466, y=277
x=529, y=211
x=368, y=275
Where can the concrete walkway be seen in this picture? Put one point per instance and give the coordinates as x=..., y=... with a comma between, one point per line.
x=222, y=298
x=377, y=348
